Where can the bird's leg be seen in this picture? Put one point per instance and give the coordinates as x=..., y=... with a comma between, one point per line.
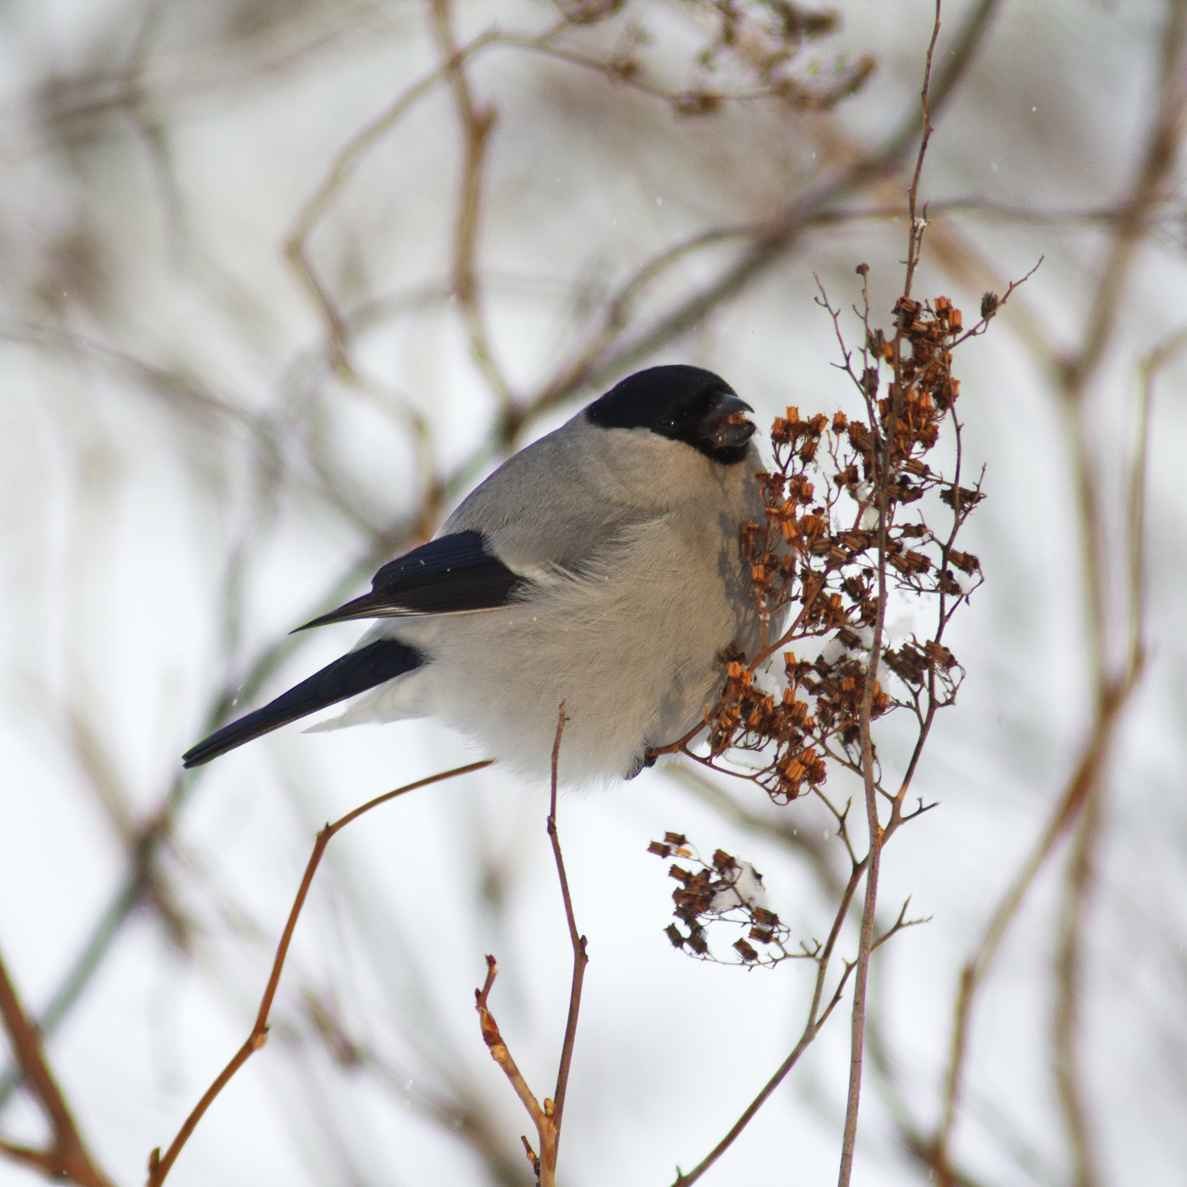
x=646, y=759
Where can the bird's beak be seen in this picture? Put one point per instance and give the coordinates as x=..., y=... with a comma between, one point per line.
x=727, y=423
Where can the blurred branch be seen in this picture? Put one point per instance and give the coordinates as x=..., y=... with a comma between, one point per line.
x=1075, y=373
x=160, y=1165
x=152, y=132
x=547, y=1116
x=576, y=940
x=67, y=1157
x=476, y=122
x=1081, y=876
x=105, y=781
x=977, y=967
x=79, y=109
x=885, y=474
x=1155, y=169
x=1080, y=790
x=341, y=168
x=1112, y=681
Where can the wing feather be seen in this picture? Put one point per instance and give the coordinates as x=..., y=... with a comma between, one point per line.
x=452, y=574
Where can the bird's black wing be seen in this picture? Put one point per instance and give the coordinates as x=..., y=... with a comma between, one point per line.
x=355, y=672
x=448, y=575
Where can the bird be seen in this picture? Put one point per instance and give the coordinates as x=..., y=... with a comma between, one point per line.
x=600, y=567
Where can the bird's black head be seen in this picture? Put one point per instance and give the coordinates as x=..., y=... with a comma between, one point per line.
x=682, y=403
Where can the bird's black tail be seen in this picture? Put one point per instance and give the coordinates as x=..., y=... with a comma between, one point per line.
x=355, y=672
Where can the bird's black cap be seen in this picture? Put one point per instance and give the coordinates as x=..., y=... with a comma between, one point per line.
x=682, y=403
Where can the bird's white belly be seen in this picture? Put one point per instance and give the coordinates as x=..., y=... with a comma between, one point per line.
x=592, y=644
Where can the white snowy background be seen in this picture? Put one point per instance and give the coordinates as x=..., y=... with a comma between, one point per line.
x=186, y=476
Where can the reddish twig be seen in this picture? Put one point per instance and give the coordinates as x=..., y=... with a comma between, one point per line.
x=544, y=1163
x=159, y=1165
x=547, y=1115
x=578, y=941
x=878, y=835
x=819, y=1012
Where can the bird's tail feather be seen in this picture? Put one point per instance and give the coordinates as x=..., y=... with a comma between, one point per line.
x=355, y=672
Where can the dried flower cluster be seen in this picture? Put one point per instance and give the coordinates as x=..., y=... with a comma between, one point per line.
x=842, y=494
x=857, y=509
x=721, y=890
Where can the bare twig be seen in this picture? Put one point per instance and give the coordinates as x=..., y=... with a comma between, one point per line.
x=501, y=1054
x=159, y=1165
x=878, y=835
x=578, y=941
x=819, y=1012
x=548, y=1115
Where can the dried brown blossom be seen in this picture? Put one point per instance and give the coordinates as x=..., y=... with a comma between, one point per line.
x=725, y=891
x=848, y=493
x=859, y=506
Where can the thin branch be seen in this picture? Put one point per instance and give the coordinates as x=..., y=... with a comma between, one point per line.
x=578, y=941
x=819, y=1012
x=501, y=1054
x=160, y=1165
x=548, y=1115
x=878, y=836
